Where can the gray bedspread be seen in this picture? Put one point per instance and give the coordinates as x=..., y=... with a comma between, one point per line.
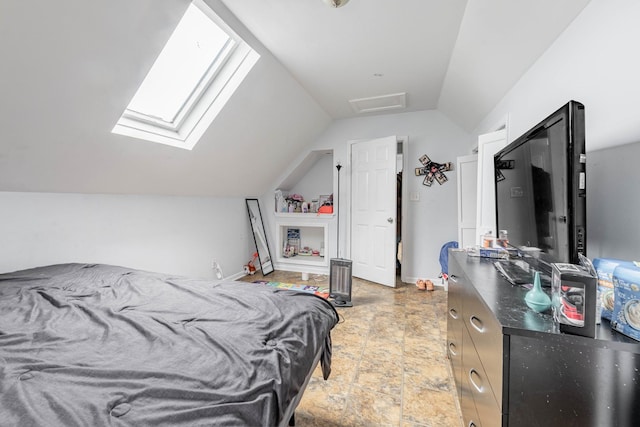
x=98, y=345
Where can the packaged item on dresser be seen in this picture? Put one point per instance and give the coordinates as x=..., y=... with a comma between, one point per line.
x=604, y=267
x=586, y=263
x=488, y=241
x=574, y=292
x=499, y=253
x=626, y=310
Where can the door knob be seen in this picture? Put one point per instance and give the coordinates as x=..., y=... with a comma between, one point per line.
x=390, y=220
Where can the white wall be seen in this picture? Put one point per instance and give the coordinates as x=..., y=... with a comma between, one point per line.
x=431, y=221
x=176, y=235
x=317, y=181
x=593, y=62
x=613, y=203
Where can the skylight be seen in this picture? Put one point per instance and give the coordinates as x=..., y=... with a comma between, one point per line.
x=185, y=60
x=198, y=70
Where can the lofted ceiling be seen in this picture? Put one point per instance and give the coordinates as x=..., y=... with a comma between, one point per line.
x=71, y=66
x=458, y=56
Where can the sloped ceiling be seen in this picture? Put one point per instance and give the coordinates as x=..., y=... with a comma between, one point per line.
x=70, y=67
x=458, y=56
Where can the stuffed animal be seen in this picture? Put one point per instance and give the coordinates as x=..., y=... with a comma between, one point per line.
x=250, y=268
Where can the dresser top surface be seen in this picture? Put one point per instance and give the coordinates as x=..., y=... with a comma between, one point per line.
x=506, y=301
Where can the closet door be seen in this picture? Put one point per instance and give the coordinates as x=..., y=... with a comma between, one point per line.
x=373, y=210
x=467, y=172
x=488, y=145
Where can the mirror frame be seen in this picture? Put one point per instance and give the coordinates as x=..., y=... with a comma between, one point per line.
x=257, y=228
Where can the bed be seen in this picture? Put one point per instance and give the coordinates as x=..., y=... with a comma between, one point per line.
x=100, y=345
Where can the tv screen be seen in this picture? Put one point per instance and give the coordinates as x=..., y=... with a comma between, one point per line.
x=541, y=191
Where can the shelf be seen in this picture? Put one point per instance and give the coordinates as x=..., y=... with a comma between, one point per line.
x=301, y=259
x=311, y=178
x=311, y=216
x=313, y=233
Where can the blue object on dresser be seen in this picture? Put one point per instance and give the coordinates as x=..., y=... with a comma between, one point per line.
x=444, y=256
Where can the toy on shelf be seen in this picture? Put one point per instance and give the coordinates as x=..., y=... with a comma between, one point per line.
x=306, y=251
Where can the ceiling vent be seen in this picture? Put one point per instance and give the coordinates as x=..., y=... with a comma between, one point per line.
x=379, y=103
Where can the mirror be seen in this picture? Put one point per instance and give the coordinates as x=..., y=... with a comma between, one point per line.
x=259, y=236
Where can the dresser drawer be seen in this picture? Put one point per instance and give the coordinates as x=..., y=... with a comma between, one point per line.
x=454, y=350
x=470, y=416
x=476, y=381
x=486, y=334
x=454, y=300
x=454, y=332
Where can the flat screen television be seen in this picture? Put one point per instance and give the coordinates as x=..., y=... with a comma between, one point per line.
x=541, y=190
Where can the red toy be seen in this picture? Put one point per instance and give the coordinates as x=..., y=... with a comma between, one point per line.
x=250, y=267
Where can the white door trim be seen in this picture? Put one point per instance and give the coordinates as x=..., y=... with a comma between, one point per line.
x=404, y=206
x=488, y=145
x=467, y=202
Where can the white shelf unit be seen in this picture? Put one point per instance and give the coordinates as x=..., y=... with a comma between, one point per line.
x=314, y=233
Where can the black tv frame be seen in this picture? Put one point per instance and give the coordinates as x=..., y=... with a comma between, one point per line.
x=575, y=189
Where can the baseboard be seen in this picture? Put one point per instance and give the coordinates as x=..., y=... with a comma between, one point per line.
x=311, y=269
x=236, y=276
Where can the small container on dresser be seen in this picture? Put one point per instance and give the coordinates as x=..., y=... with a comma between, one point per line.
x=574, y=292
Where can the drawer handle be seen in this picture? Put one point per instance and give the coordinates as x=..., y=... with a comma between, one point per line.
x=476, y=384
x=453, y=313
x=452, y=349
x=476, y=323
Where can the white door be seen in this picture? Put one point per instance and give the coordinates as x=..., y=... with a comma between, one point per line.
x=467, y=174
x=488, y=145
x=373, y=210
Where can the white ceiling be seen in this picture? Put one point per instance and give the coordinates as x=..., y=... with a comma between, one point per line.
x=456, y=55
x=70, y=67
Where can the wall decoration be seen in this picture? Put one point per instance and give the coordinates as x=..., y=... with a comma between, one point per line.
x=503, y=165
x=433, y=170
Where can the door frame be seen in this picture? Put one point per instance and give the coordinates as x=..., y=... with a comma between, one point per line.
x=500, y=132
x=405, y=196
x=464, y=201
x=488, y=145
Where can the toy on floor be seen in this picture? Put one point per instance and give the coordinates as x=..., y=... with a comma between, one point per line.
x=424, y=285
x=250, y=268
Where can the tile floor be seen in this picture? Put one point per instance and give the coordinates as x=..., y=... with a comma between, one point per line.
x=389, y=364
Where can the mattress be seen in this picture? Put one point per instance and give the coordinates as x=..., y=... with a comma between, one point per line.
x=100, y=345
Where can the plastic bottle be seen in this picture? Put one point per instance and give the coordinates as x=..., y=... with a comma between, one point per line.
x=503, y=238
x=487, y=239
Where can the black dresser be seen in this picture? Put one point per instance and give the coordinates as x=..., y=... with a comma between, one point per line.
x=513, y=368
